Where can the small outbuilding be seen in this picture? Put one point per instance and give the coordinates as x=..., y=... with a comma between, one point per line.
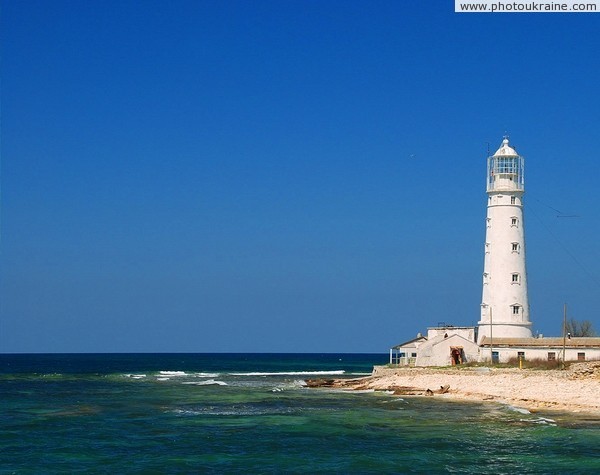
x=447, y=349
x=405, y=354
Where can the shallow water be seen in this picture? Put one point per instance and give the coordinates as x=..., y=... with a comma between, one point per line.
x=251, y=413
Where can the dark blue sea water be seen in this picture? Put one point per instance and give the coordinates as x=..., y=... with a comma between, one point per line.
x=232, y=413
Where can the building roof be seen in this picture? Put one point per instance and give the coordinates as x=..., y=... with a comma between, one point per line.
x=414, y=340
x=453, y=336
x=573, y=342
x=450, y=327
x=506, y=150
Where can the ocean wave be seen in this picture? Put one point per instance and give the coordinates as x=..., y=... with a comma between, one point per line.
x=135, y=376
x=290, y=373
x=181, y=374
x=520, y=410
x=242, y=410
x=540, y=420
x=298, y=383
x=208, y=382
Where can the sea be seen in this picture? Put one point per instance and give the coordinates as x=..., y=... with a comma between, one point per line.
x=252, y=413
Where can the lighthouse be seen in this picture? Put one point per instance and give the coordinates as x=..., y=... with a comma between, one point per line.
x=504, y=303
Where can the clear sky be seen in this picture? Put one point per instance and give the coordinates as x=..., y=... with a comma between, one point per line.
x=264, y=176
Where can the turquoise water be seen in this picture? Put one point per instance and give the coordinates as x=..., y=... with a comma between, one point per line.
x=228, y=413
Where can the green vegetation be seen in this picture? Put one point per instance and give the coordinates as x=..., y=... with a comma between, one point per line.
x=514, y=363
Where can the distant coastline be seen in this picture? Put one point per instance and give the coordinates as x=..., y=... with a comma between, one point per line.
x=572, y=390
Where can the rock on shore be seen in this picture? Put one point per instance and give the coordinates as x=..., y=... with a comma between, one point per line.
x=576, y=389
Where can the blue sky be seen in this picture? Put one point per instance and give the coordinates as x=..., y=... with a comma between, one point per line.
x=284, y=176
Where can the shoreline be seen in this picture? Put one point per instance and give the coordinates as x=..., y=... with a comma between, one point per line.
x=575, y=390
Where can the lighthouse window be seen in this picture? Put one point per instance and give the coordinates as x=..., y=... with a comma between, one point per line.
x=515, y=310
x=513, y=200
x=514, y=221
x=506, y=165
x=515, y=247
x=515, y=278
x=489, y=222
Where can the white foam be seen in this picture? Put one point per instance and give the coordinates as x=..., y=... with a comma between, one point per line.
x=231, y=411
x=520, y=410
x=545, y=419
x=135, y=376
x=396, y=399
x=162, y=379
x=208, y=382
x=540, y=420
x=205, y=375
x=172, y=373
x=293, y=385
x=290, y=373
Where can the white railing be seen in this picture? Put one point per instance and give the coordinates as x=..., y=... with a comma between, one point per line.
x=402, y=361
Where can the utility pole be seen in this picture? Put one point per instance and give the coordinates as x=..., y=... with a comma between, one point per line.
x=491, y=339
x=564, y=335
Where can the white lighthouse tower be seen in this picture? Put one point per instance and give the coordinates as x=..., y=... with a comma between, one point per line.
x=504, y=303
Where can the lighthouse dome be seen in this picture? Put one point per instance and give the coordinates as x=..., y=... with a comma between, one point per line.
x=506, y=150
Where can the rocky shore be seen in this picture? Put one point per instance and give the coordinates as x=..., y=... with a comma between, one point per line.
x=576, y=389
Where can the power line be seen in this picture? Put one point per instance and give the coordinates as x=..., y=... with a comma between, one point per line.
x=559, y=242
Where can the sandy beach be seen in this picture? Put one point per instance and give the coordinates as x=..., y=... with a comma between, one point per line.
x=576, y=389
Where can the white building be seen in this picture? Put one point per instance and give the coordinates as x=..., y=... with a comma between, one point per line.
x=448, y=345
x=405, y=354
x=504, y=305
x=504, y=350
x=504, y=329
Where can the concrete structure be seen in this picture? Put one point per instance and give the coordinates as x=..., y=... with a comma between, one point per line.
x=504, y=304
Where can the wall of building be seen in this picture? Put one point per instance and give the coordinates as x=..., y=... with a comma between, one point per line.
x=437, y=351
x=572, y=354
x=468, y=333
